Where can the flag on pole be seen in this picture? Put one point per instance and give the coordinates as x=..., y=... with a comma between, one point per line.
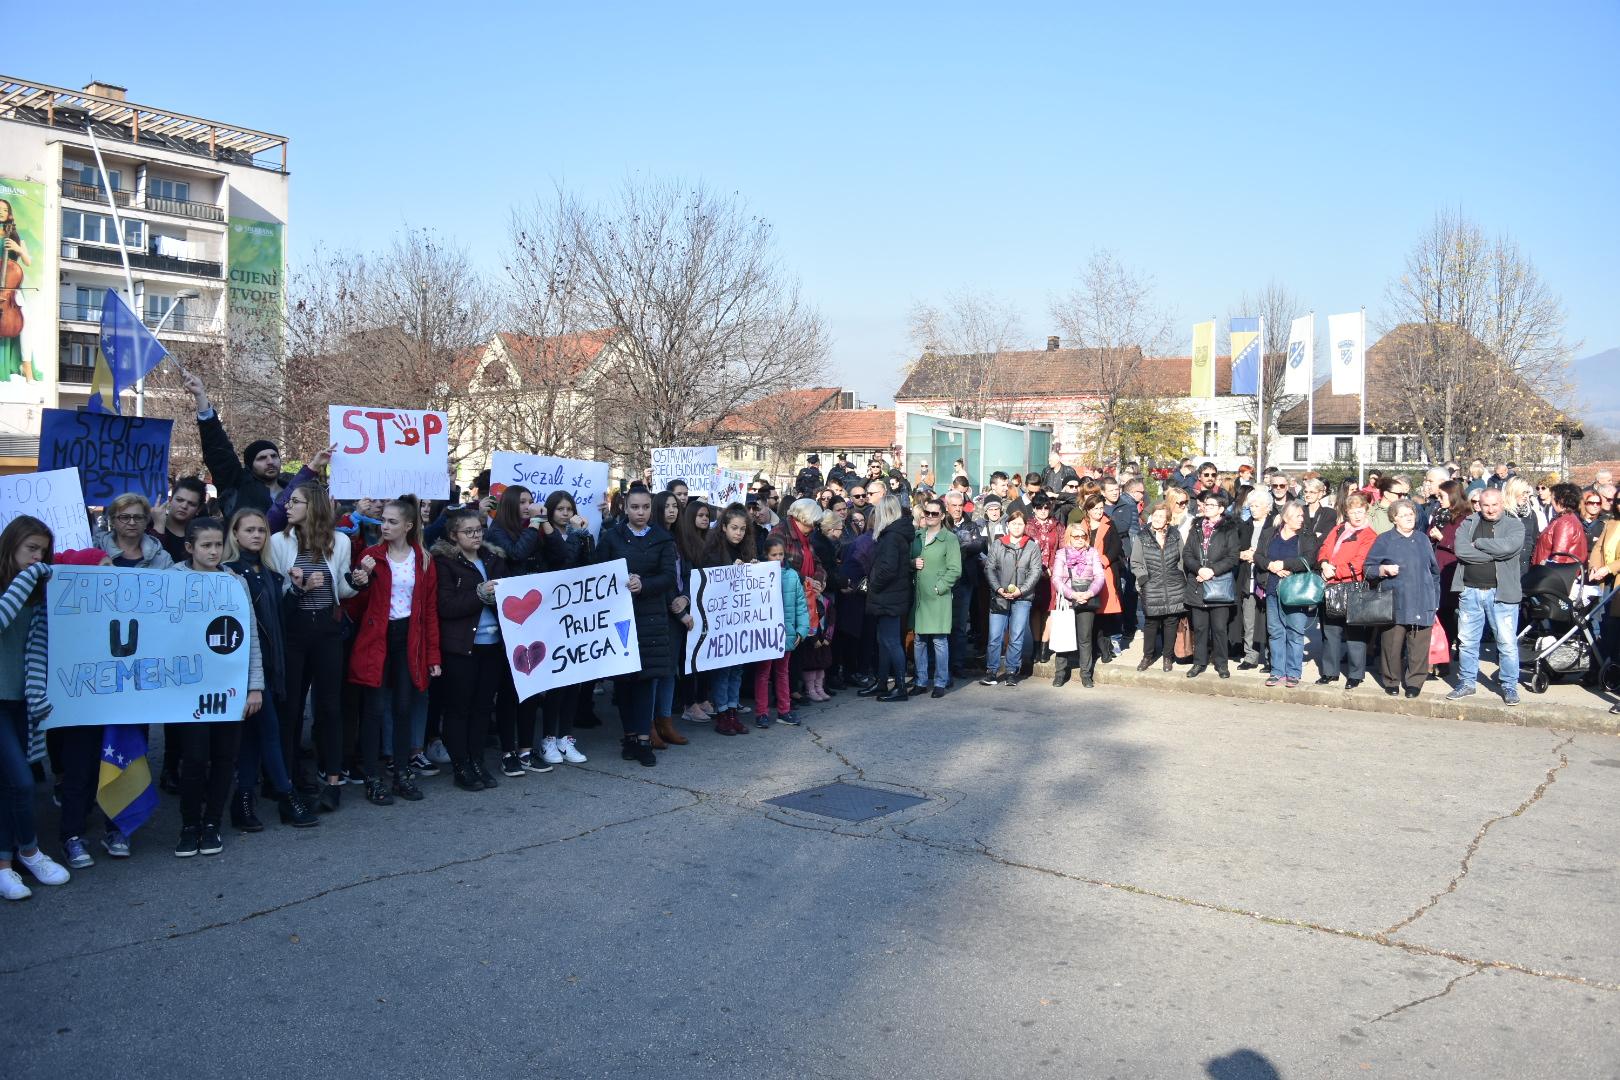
x=1347, y=347
x=124, y=789
x=1246, y=355
x=1299, y=373
x=129, y=351
x=1203, y=359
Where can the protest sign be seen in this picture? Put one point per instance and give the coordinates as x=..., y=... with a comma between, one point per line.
x=692, y=465
x=145, y=646
x=736, y=616
x=114, y=454
x=385, y=453
x=55, y=498
x=567, y=626
x=585, y=481
x=729, y=486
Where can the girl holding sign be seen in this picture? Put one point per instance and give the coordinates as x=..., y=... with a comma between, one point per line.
x=649, y=554
x=522, y=529
x=731, y=543
x=475, y=665
x=396, y=650
x=559, y=706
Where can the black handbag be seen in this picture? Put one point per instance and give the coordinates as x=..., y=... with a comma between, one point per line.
x=1371, y=606
x=1221, y=589
x=1336, y=598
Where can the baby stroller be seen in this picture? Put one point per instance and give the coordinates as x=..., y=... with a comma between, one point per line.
x=1558, y=620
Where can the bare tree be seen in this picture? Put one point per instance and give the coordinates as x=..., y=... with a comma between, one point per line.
x=1481, y=337
x=957, y=342
x=701, y=315
x=1277, y=307
x=1112, y=309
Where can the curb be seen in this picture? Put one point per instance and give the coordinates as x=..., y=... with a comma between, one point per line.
x=1484, y=708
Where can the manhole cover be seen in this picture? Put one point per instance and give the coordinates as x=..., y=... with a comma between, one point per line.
x=847, y=802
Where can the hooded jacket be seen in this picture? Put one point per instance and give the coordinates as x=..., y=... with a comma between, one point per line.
x=460, y=606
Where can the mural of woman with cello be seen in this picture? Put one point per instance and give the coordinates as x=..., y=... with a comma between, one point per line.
x=12, y=272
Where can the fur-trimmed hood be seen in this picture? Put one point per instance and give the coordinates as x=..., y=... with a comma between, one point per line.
x=444, y=548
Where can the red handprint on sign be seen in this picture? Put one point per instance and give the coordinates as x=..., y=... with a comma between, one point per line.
x=408, y=435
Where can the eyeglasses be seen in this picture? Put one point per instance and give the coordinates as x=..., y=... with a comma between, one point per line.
x=1594, y=502
x=1071, y=487
x=130, y=519
x=1206, y=474
x=933, y=513
x=858, y=495
x=1279, y=487
x=473, y=531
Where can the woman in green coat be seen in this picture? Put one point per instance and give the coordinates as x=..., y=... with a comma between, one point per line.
x=937, y=557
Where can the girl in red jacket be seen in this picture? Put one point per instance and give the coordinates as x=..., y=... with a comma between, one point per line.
x=396, y=649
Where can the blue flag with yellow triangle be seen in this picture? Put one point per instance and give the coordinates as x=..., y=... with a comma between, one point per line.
x=1246, y=355
x=127, y=354
x=124, y=791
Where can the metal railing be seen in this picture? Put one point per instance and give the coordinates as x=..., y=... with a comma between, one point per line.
x=74, y=373
x=108, y=256
x=95, y=193
x=184, y=208
x=181, y=323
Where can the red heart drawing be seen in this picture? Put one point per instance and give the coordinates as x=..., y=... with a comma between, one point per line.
x=519, y=608
x=528, y=657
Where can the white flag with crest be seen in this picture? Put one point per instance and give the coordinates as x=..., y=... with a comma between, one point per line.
x=1347, y=349
x=1297, y=375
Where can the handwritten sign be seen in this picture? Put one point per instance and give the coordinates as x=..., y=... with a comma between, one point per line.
x=736, y=616
x=55, y=498
x=168, y=645
x=729, y=486
x=115, y=455
x=567, y=626
x=384, y=453
x=692, y=465
x=585, y=481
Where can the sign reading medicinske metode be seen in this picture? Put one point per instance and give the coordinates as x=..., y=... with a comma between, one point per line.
x=145, y=646
x=737, y=616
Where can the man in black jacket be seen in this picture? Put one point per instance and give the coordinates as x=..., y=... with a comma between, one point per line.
x=970, y=536
x=251, y=482
x=808, y=482
x=1057, y=471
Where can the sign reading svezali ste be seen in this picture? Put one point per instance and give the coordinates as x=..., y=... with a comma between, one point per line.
x=567, y=626
x=383, y=453
x=737, y=616
x=585, y=481
x=145, y=646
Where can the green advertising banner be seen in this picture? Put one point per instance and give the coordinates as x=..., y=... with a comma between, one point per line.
x=258, y=271
x=27, y=289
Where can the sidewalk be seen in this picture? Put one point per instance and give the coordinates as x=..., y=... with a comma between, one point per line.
x=1567, y=706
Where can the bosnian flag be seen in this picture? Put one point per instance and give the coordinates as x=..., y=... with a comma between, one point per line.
x=1245, y=333
x=1298, y=372
x=1347, y=351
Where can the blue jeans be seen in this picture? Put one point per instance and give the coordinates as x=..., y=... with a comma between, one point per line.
x=16, y=782
x=725, y=687
x=261, y=745
x=663, y=695
x=941, y=644
x=891, y=655
x=1476, y=607
x=1008, y=658
x=1285, y=630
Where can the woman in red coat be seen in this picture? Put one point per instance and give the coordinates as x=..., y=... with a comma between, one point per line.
x=1105, y=540
x=1563, y=541
x=396, y=649
x=1344, y=558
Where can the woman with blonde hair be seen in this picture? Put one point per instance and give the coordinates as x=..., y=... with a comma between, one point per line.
x=1518, y=499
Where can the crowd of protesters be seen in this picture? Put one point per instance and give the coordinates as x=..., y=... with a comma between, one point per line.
x=376, y=657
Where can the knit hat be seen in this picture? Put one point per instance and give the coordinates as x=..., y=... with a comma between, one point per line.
x=990, y=500
x=254, y=449
x=80, y=557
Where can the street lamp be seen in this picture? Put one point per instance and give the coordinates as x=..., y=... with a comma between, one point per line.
x=140, y=386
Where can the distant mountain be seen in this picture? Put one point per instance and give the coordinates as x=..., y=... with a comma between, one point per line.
x=1597, y=389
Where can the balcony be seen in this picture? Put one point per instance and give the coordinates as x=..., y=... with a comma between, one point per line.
x=184, y=208
x=108, y=256
x=181, y=323
x=77, y=374
x=94, y=193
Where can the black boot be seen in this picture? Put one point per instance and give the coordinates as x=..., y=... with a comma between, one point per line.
x=466, y=777
x=331, y=798
x=873, y=688
x=244, y=818
x=295, y=813
x=480, y=770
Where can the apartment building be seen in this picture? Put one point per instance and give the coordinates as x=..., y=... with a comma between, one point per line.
x=204, y=211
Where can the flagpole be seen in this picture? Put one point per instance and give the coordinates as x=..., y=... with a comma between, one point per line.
x=1361, y=448
x=1260, y=399
x=1310, y=399
x=123, y=254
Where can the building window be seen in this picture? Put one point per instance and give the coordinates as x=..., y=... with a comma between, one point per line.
x=1245, y=437
x=1344, y=449
x=98, y=229
x=178, y=190
x=1411, y=448
x=1302, y=449
x=1212, y=437
x=90, y=176
x=1386, y=448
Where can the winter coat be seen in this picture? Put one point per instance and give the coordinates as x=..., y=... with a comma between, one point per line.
x=795, y=611
x=153, y=555
x=1012, y=563
x=1417, y=586
x=1046, y=535
x=889, y=590
x=1161, y=586
x=800, y=554
x=1564, y=536
x=1305, y=562
x=855, y=566
x=239, y=487
x=827, y=560
x=1606, y=556
x=370, y=653
x=652, y=558
x=1322, y=522
x=1221, y=556
x=942, y=567
x=1532, y=533
x=1111, y=554
x=1249, y=531
x=972, y=539
x=1127, y=518
x=1346, y=549
x=1077, y=569
x=1503, y=548
x=267, y=590
x=460, y=606
x=531, y=551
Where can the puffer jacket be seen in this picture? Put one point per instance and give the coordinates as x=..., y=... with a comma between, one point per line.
x=1010, y=562
x=652, y=558
x=1160, y=583
x=153, y=555
x=970, y=535
x=888, y=590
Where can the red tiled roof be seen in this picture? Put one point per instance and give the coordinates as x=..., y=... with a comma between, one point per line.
x=572, y=353
x=1039, y=372
x=772, y=411
x=853, y=429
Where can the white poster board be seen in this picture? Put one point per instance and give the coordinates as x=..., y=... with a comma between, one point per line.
x=567, y=626
x=384, y=453
x=729, y=486
x=146, y=645
x=692, y=465
x=585, y=481
x=736, y=617
x=55, y=498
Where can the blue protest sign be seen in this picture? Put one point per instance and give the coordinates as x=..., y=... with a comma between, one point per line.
x=114, y=454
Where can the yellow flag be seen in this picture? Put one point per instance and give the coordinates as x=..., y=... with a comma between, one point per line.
x=1203, y=359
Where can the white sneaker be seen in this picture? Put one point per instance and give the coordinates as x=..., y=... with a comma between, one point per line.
x=46, y=869
x=437, y=754
x=12, y=887
x=569, y=753
x=549, y=751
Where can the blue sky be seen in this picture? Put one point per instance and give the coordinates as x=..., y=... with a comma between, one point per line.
x=905, y=150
